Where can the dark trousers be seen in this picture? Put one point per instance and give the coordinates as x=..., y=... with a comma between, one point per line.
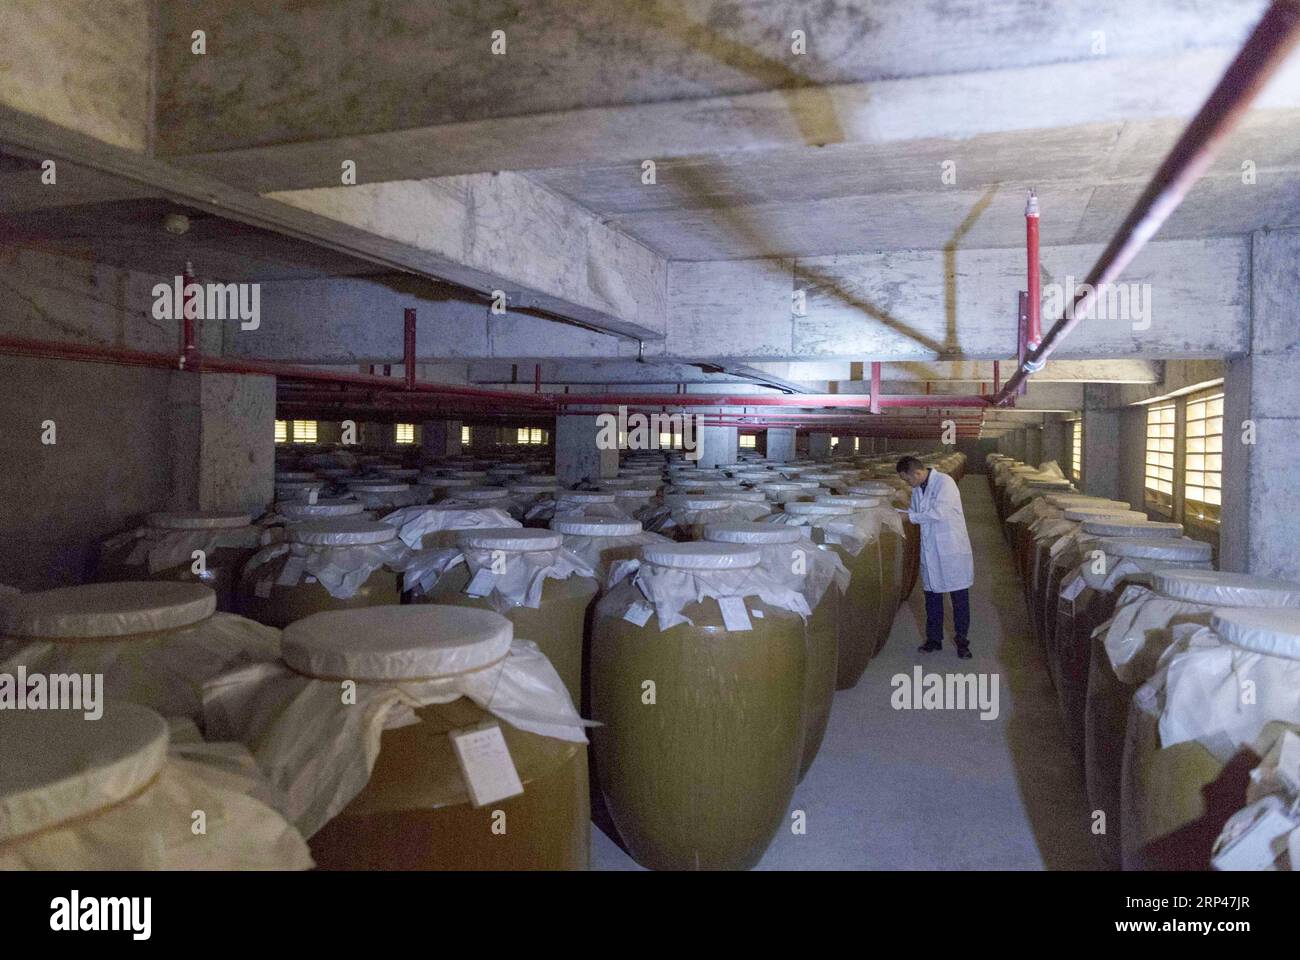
x=934, y=616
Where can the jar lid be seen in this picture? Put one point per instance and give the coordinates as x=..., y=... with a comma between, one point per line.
x=470, y=474
x=344, y=532
x=321, y=509
x=688, y=501
x=483, y=493
x=416, y=641
x=1217, y=588
x=1096, y=513
x=1144, y=529
x=1274, y=633
x=872, y=488
x=757, y=533
x=299, y=484
x=106, y=609
x=533, y=487
x=1175, y=550
x=519, y=539
x=293, y=476
x=701, y=555
x=750, y=496
x=402, y=473
x=370, y=486
x=856, y=503
x=596, y=526
x=819, y=509
x=59, y=767
x=636, y=492
x=584, y=496
x=199, y=521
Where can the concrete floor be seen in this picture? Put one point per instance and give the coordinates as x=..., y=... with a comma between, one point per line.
x=940, y=790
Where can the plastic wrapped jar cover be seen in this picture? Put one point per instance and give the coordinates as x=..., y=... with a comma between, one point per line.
x=293, y=476
x=818, y=510
x=761, y=533
x=339, y=533
x=872, y=488
x=320, y=510
x=474, y=494
x=106, y=610
x=1272, y=632
x=198, y=521
x=584, y=496
x=1179, y=550
x=854, y=503
x=699, y=555
x=596, y=527
x=1080, y=514
x=377, y=487
x=515, y=539
x=1221, y=589
x=1144, y=529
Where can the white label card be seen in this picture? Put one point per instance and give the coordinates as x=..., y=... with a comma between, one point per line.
x=639, y=613
x=292, y=572
x=1072, y=589
x=482, y=582
x=485, y=762
x=1256, y=849
x=734, y=615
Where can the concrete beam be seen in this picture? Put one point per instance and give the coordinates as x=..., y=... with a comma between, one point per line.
x=959, y=304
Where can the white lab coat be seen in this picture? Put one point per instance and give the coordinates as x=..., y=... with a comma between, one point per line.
x=947, y=563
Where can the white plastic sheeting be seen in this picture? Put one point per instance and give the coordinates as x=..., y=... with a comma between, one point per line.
x=413, y=523
x=118, y=794
x=685, y=510
x=789, y=555
x=1125, y=558
x=320, y=751
x=341, y=554
x=169, y=539
x=593, y=538
x=672, y=575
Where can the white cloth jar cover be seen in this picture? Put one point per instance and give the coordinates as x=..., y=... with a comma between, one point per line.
x=154, y=643
x=120, y=794
x=1269, y=823
x=413, y=523
x=1220, y=685
x=1139, y=632
x=1119, y=558
x=839, y=524
x=874, y=507
x=587, y=503
x=781, y=491
x=684, y=510
x=319, y=750
x=380, y=494
x=497, y=497
x=590, y=538
x=341, y=554
x=510, y=566
x=672, y=575
x=788, y=554
x=170, y=539
x=528, y=492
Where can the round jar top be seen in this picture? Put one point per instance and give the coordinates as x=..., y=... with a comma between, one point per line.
x=701, y=555
x=513, y=539
x=320, y=510
x=1080, y=514
x=378, y=487
x=1171, y=549
x=824, y=510
x=854, y=503
x=344, y=532
x=482, y=493
x=199, y=521
x=596, y=527
x=59, y=768
x=1272, y=632
x=584, y=496
x=752, y=533
x=392, y=643
x=106, y=610
x=1145, y=529
x=1217, y=588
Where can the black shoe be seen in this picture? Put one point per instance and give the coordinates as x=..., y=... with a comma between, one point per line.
x=963, y=653
x=929, y=647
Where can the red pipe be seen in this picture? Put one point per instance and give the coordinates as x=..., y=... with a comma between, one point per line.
x=1264, y=52
x=408, y=347
x=1035, y=331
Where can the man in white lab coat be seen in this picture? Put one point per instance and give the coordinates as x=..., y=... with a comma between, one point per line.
x=947, y=564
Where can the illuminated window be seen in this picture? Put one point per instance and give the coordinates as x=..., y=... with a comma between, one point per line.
x=404, y=432
x=748, y=441
x=521, y=435
x=1203, y=461
x=530, y=435
x=539, y=435
x=464, y=434
x=282, y=431
x=1076, y=450
x=1162, y=425
x=304, y=431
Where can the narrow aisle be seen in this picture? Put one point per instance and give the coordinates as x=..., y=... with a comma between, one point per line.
x=941, y=789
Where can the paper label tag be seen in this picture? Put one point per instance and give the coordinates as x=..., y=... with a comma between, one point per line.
x=485, y=762
x=312, y=495
x=1256, y=849
x=480, y=585
x=292, y=572
x=262, y=589
x=734, y=615
x=639, y=613
x=756, y=614
x=1072, y=589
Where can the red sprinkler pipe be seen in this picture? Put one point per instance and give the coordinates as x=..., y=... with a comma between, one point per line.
x=1035, y=332
x=1268, y=46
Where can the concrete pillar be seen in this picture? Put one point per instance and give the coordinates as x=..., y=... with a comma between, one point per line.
x=1054, y=445
x=819, y=446
x=719, y=446
x=1132, y=448
x=1034, y=445
x=780, y=444
x=1261, y=420
x=440, y=439
x=222, y=432
x=577, y=455
x=375, y=436
x=1101, y=444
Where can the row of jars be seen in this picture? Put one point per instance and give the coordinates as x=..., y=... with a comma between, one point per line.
x=164, y=647
x=1175, y=682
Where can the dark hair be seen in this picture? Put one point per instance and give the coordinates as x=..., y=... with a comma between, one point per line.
x=908, y=464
